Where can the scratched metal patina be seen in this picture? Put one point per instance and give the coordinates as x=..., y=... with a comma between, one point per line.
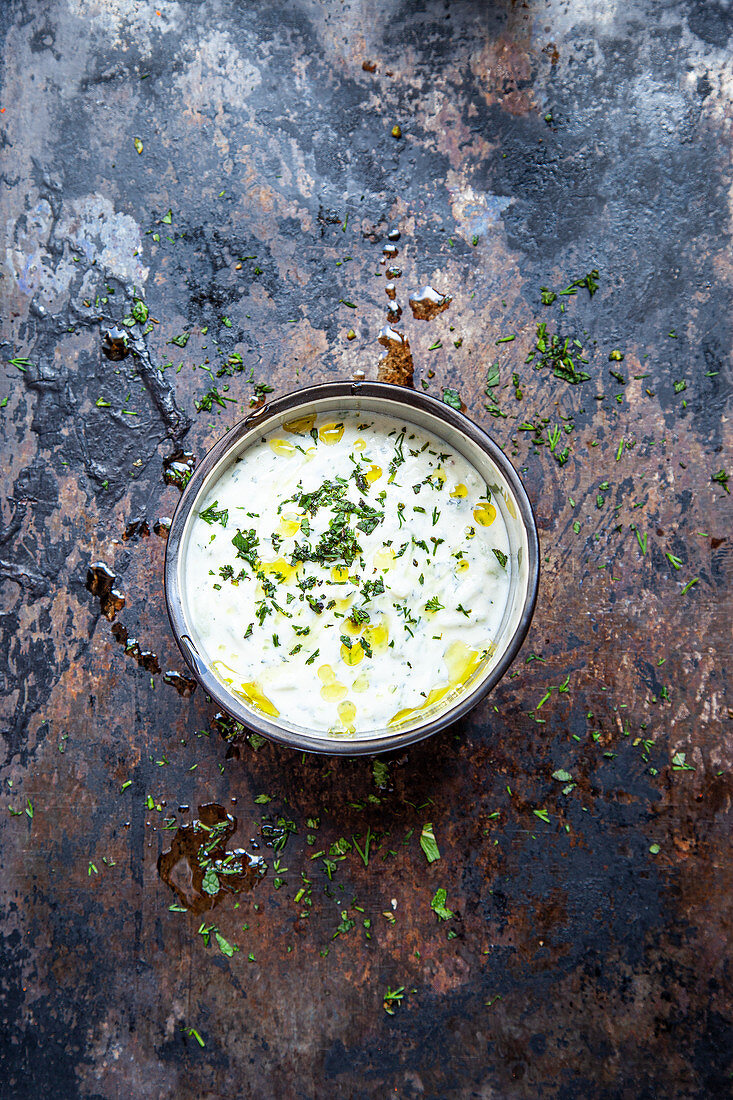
x=219, y=181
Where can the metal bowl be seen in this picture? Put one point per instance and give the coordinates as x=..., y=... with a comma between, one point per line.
x=458, y=432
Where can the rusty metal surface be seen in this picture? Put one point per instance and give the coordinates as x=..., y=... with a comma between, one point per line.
x=588, y=950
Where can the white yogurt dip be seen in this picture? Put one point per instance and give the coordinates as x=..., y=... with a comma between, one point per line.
x=348, y=572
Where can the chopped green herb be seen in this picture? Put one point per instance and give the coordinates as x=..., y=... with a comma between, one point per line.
x=679, y=763
x=438, y=905
x=364, y=853
x=492, y=377
x=393, y=997
x=210, y=884
x=139, y=310
x=192, y=1031
x=428, y=843
x=561, y=356
x=380, y=772
x=246, y=543
x=210, y=515
x=722, y=479
x=589, y=281
x=224, y=946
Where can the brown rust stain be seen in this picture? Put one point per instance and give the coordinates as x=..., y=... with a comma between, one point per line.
x=504, y=70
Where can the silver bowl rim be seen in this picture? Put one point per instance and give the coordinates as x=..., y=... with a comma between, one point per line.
x=261, y=724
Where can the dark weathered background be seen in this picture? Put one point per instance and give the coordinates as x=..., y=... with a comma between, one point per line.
x=589, y=953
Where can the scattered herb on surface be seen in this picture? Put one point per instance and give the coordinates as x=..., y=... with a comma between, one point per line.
x=722, y=479
x=393, y=997
x=428, y=843
x=438, y=905
x=224, y=946
x=210, y=884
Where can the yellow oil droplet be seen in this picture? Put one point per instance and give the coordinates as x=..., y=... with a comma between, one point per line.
x=462, y=565
x=289, y=525
x=280, y=569
x=383, y=558
x=339, y=574
x=344, y=605
x=218, y=665
x=334, y=692
x=352, y=629
x=402, y=716
x=310, y=454
x=282, y=447
x=359, y=445
x=251, y=692
x=462, y=662
x=377, y=635
x=300, y=425
x=330, y=433
x=510, y=506
x=347, y=712
x=460, y=491
x=326, y=674
x=469, y=532
x=440, y=475
x=409, y=712
x=373, y=474
x=484, y=513
x=352, y=656
x=361, y=683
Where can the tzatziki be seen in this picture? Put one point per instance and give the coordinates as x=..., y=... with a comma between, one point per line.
x=347, y=572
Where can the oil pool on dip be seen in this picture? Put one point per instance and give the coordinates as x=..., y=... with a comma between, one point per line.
x=348, y=573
